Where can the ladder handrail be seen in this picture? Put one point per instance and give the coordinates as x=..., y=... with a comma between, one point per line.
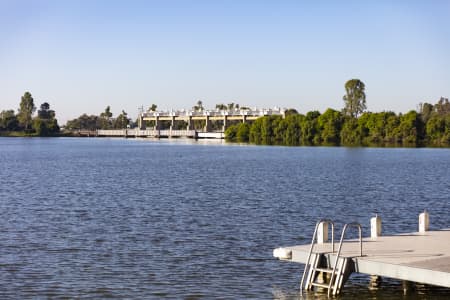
x=327, y=221
x=353, y=224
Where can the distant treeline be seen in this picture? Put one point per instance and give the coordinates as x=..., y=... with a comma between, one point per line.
x=430, y=126
x=104, y=121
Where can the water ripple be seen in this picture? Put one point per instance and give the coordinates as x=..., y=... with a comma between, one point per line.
x=101, y=218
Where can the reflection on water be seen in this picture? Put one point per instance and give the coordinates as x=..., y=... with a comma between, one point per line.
x=116, y=218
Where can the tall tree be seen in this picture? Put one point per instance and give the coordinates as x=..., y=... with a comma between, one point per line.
x=153, y=107
x=425, y=111
x=199, y=106
x=45, y=123
x=105, y=118
x=26, y=111
x=355, y=98
x=443, y=106
x=121, y=121
x=107, y=114
x=45, y=112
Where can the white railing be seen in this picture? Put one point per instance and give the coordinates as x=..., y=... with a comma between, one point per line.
x=112, y=132
x=143, y=133
x=213, y=113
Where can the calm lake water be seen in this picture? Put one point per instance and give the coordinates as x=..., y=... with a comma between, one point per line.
x=116, y=218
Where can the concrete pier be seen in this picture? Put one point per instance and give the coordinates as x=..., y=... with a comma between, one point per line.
x=422, y=257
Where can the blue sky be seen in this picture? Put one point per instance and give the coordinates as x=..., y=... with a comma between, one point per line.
x=81, y=56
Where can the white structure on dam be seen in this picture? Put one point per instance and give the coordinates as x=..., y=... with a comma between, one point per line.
x=208, y=116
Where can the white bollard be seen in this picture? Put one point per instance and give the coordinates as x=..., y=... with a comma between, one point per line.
x=375, y=227
x=424, y=221
x=375, y=231
x=322, y=233
x=282, y=253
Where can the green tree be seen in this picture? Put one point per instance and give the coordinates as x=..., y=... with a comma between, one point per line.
x=256, y=131
x=8, y=120
x=221, y=106
x=290, y=129
x=438, y=131
x=243, y=133
x=287, y=131
x=107, y=114
x=199, y=106
x=392, y=122
x=26, y=110
x=310, y=129
x=330, y=125
x=436, y=123
x=121, y=121
x=442, y=107
x=279, y=132
x=373, y=127
x=290, y=111
x=268, y=129
x=45, y=112
x=45, y=124
x=350, y=133
x=407, y=131
x=106, y=119
x=263, y=129
x=232, y=106
x=355, y=98
x=73, y=124
x=446, y=137
x=153, y=107
x=231, y=133
x=425, y=111
x=364, y=122
x=45, y=127
x=180, y=125
x=84, y=122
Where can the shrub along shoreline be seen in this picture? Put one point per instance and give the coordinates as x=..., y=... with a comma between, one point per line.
x=428, y=128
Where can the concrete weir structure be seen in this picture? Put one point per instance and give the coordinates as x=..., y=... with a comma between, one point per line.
x=160, y=118
x=421, y=257
x=208, y=116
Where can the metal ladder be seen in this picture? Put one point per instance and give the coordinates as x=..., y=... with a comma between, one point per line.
x=334, y=286
x=311, y=267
